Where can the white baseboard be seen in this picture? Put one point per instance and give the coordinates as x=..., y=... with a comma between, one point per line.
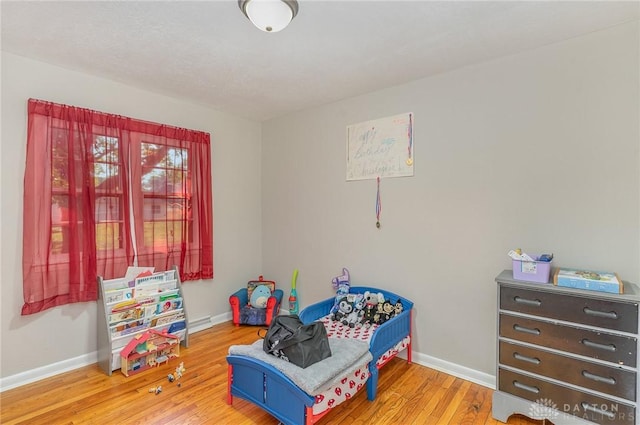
x=203, y=323
x=200, y=324
x=53, y=369
x=208, y=321
x=221, y=318
x=47, y=371
x=463, y=372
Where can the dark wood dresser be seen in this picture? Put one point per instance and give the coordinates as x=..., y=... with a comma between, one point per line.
x=566, y=355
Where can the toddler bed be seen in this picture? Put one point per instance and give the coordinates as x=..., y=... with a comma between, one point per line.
x=263, y=379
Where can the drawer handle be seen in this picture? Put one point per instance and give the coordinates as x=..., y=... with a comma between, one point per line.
x=534, y=331
x=525, y=387
x=520, y=300
x=519, y=356
x=598, y=313
x=589, y=408
x=598, y=378
x=591, y=344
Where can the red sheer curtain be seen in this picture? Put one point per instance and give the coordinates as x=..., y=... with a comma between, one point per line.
x=174, y=199
x=102, y=192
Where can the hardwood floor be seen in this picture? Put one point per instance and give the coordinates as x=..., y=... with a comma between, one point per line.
x=407, y=394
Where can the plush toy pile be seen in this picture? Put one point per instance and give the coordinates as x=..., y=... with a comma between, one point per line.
x=357, y=310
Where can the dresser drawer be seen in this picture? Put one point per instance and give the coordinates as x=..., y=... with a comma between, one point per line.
x=617, y=349
x=616, y=315
x=595, y=376
x=545, y=394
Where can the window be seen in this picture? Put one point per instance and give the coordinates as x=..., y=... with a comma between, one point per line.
x=103, y=192
x=66, y=196
x=166, y=197
x=109, y=186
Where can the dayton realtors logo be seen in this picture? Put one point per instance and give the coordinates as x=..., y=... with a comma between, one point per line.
x=601, y=413
x=543, y=408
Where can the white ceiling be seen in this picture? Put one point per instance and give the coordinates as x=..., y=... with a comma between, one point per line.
x=209, y=52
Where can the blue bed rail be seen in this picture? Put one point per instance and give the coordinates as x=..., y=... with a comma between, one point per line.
x=267, y=387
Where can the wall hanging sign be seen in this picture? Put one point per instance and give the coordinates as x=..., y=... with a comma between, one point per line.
x=380, y=148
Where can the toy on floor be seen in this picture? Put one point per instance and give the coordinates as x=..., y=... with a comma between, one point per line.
x=180, y=370
x=177, y=374
x=172, y=377
x=156, y=390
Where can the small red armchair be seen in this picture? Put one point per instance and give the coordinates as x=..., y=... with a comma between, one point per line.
x=257, y=304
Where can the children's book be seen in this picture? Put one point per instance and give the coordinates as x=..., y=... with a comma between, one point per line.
x=589, y=280
x=170, y=317
x=168, y=305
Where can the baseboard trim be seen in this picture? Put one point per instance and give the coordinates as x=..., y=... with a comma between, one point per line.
x=463, y=372
x=206, y=322
x=33, y=375
x=221, y=318
x=200, y=324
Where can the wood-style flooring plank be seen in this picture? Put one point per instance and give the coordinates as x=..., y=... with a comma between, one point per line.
x=407, y=394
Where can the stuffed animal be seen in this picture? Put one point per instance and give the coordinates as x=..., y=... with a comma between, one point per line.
x=344, y=309
x=358, y=301
x=347, y=313
x=387, y=310
x=397, y=308
x=377, y=318
x=259, y=296
x=367, y=316
x=342, y=279
x=341, y=284
x=353, y=319
x=384, y=312
x=378, y=313
x=372, y=300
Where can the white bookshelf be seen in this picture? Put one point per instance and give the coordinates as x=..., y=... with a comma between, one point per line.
x=129, y=307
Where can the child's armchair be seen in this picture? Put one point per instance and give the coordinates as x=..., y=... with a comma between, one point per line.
x=257, y=304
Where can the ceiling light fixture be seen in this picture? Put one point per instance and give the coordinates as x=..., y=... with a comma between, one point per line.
x=269, y=15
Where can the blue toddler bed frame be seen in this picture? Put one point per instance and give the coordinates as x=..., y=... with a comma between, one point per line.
x=268, y=388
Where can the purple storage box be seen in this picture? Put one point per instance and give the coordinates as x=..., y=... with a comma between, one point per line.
x=532, y=271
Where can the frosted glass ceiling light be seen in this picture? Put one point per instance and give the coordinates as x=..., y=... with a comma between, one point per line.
x=269, y=15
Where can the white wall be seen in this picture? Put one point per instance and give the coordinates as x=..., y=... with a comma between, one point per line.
x=68, y=332
x=539, y=150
